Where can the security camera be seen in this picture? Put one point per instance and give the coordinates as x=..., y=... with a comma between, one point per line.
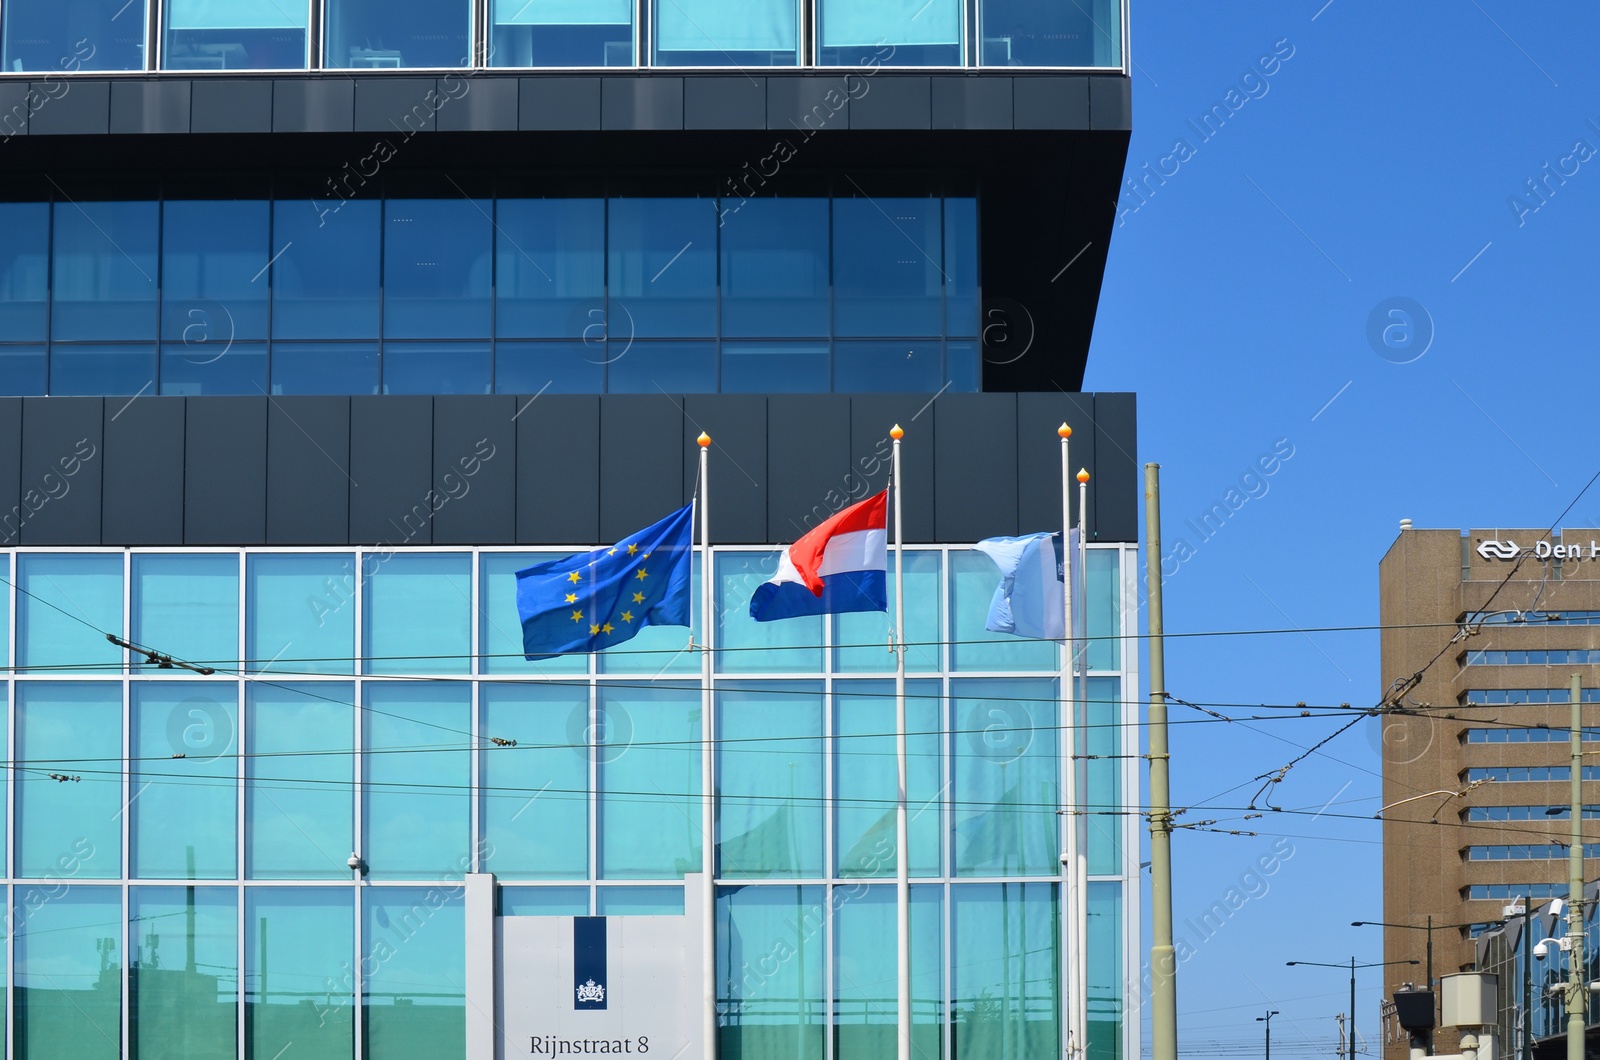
x=354, y=861
x=1540, y=951
x=1065, y=859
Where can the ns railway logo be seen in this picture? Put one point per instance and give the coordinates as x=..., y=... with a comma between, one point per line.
x=1508, y=549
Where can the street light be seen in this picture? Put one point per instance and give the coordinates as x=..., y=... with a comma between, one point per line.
x=1350, y=1043
x=1413, y=927
x=1267, y=1019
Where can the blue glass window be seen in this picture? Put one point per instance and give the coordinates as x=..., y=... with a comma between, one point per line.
x=299, y=768
x=414, y=1004
x=544, y=901
x=890, y=32
x=325, y=279
x=662, y=266
x=1005, y=786
x=324, y=368
x=1005, y=957
x=658, y=650
x=550, y=270
x=963, y=366
x=726, y=32
x=887, y=272
x=904, y=367
x=775, y=368
x=56, y=37
x=861, y=638
x=179, y=940
x=774, y=268
x=437, y=265
x=70, y=829
x=639, y=901
x=499, y=635
x=744, y=645
x=96, y=369
x=67, y=604
x=417, y=808
x=436, y=368
x=662, y=368
x=105, y=270
x=24, y=270
x=649, y=767
x=771, y=1012
x=1046, y=33
x=562, y=33
x=866, y=777
x=190, y=370
x=535, y=795
x=23, y=372
x=213, y=273
x=66, y=1004
x=418, y=613
x=187, y=606
x=973, y=578
x=299, y=948
x=865, y=984
x=235, y=35
x=770, y=788
x=1104, y=607
x=389, y=34
x=961, y=289
x=1105, y=973
x=185, y=774
x=1102, y=736
x=550, y=367
x=300, y=613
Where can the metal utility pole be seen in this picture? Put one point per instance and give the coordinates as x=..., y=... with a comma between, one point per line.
x=1163, y=958
x=1576, y=994
x=1267, y=1019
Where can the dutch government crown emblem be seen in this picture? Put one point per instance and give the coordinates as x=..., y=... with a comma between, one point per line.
x=591, y=993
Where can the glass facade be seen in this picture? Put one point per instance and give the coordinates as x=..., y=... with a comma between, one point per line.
x=339, y=294
x=177, y=865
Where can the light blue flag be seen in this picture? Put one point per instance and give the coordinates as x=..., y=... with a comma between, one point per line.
x=1029, y=601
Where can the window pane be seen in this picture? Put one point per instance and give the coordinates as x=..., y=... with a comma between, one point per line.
x=866, y=934
x=963, y=366
x=550, y=273
x=61, y=37
x=886, y=255
x=436, y=368
x=774, y=267
x=536, y=795
x=744, y=645
x=383, y=34
x=961, y=267
x=649, y=802
x=325, y=280
x=1035, y=33
x=544, y=901
x=775, y=368
x=862, y=637
x=324, y=368
x=887, y=367
x=662, y=265
x=499, y=633
x=1006, y=777
x=300, y=613
x=188, y=607
x=299, y=943
x=866, y=777
x=184, y=815
x=235, y=35
x=67, y=943
x=181, y=982
x=562, y=33
x=212, y=257
x=973, y=580
x=414, y=1000
x=1104, y=939
x=778, y=1016
x=436, y=268
x=1103, y=738
x=662, y=367
x=1104, y=605
x=24, y=265
x=891, y=32
x=73, y=829
x=726, y=32
x=22, y=374
x=209, y=368
x=417, y=806
x=640, y=901
x=105, y=270
x=418, y=614
x=770, y=790
x=549, y=367
x=98, y=370
x=658, y=650
x=1005, y=952
x=298, y=769
x=66, y=604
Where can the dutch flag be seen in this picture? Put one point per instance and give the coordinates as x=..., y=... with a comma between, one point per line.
x=842, y=565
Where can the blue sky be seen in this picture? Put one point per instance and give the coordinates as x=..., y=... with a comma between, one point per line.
x=1378, y=162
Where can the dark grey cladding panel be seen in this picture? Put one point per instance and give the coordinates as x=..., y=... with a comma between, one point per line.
x=737, y=424
x=558, y=469
x=559, y=104
x=808, y=102
x=975, y=102
x=871, y=417
x=646, y=103
x=477, y=104
x=14, y=109
x=308, y=471
x=229, y=106
x=891, y=101
x=62, y=434
x=391, y=470
x=225, y=457
x=475, y=470
x=1050, y=101
x=143, y=492
x=11, y=512
x=975, y=460
x=150, y=106
x=70, y=107
x=733, y=101
x=1117, y=490
x=641, y=461
x=1039, y=455
x=399, y=105
x=313, y=105
x=808, y=459
x=1110, y=103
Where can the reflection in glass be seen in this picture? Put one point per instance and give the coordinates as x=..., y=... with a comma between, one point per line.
x=550, y=269
x=865, y=983
x=68, y=972
x=416, y=808
x=1105, y=944
x=861, y=637
x=774, y=368
x=212, y=254
x=187, y=604
x=886, y=265
x=973, y=577
x=726, y=32
x=325, y=280
x=1048, y=33
x=649, y=764
x=562, y=33
x=99, y=370
x=499, y=635
x=543, y=901
x=538, y=831
x=64, y=600
x=299, y=946
x=1102, y=736
x=770, y=790
x=890, y=32
x=662, y=368
x=639, y=901
x=298, y=772
x=775, y=268
x=300, y=612
x=105, y=269
x=549, y=367
x=903, y=367
x=186, y=769
x=24, y=267
x=865, y=777
x=69, y=830
x=414, y=963
x=437, y=265
x=391, y=34
x=402, y=587
x=436, y=368
x=235, y=35
x=214, y=368
x=23, y=371
x=1005, y=953
x=1005, y=784
x=771, y=1013
x=58, y=37
x=324, y=368
x=662, y=267
x=183, y=995
x=961, y=289
x=747, y=646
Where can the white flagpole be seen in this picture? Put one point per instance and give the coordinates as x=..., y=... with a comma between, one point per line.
x=1069, y=859
x=1080, y=722
x=708, y=746
x=902, y=823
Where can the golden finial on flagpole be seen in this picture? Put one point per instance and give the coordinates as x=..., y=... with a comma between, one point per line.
x=704, y=439
x=1083, y=475
x=1064, y=431
x=896, y=433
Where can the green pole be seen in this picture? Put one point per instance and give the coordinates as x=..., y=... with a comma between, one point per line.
x=1575, y=986
x=1163, y=957
x=1350, y=1042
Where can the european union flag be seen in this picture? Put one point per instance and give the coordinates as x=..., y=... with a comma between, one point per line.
x=596, y=599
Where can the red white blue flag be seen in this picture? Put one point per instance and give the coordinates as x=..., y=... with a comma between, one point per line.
x=842, y=565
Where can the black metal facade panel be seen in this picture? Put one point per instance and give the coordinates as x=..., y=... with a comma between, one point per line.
x=901, y=102
x=1051, y=102
x=475, y=470
x=225, y=471
x=230, y=106
x=142, y=495
x=391, y=470
x=727, y=102
x=403, y=105
x=152, y=106
x=808, y=457
x=1111, y=103
x=64, y=107
x=737, y=424
x=477, y=104
x=972, y=102
x=313, y=104
x=62, y=435
x=975, y=467
x=308, y=470
x=641, y=103
x=641, y=462
x=12, y=514
x=1039, y=455
x=872, y=416
x=810, y=102
x=558, y=469
x=1117, y=492
x=559, y=103
x=16, y=103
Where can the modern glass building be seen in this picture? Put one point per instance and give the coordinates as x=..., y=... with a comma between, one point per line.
x=319, y=320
